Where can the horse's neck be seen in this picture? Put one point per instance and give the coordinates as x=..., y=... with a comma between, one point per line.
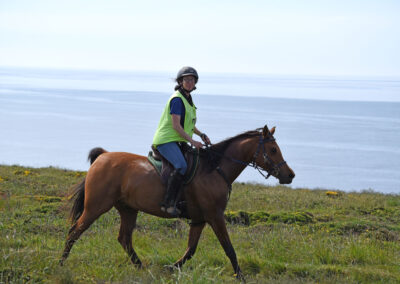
x=243, y=151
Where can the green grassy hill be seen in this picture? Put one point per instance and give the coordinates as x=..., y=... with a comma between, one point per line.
x=280, y=235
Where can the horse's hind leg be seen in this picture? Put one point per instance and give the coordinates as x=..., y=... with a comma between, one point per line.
x=194, y=236
x=128, y=223
x=81, y=225
x=75, y=232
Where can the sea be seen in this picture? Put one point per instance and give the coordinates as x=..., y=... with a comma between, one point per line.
x=336, y=133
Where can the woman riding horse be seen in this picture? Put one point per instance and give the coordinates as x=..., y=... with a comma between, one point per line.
x=177, y=125
x=131, y=184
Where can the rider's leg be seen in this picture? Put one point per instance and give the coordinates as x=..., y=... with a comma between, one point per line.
x=174, y=186
x=173, y=154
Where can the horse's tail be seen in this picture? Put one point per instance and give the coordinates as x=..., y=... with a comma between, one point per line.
x=78, y=192
x=78, y=195
x=94, y=153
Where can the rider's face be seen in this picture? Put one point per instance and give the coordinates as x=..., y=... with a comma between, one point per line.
x=189, y=82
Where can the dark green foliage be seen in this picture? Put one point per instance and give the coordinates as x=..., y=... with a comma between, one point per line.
x=292, y=217
x=251, y=218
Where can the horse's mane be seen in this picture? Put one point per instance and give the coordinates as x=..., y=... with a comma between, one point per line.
x=214, y=153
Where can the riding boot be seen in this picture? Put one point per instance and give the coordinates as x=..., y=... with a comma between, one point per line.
x=174, y=185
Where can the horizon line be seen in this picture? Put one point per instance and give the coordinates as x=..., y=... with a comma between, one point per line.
x=218, y=72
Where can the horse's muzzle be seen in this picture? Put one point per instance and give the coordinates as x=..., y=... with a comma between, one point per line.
x=286, y=179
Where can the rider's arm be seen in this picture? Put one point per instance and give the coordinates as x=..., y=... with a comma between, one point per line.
x=197, y=131
x=176, y=124
x=203, y=136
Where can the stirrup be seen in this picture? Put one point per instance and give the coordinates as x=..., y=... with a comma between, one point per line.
x=163, y=206
x=173, y=211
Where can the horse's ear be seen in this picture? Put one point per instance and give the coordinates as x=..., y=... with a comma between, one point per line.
x=272, y=131
x=265, y=131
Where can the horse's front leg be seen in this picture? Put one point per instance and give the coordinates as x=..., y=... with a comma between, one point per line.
x=194, y=236
x=219, y=226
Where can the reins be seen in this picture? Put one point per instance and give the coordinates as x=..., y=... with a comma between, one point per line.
x=267, y=160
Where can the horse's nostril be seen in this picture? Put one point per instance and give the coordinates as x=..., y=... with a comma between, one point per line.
x=291, y=175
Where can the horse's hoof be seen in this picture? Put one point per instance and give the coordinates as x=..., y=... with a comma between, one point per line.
x=173, y=211
x=138, y=265
x=171, y=268
x=239, y=276
x=178, y=264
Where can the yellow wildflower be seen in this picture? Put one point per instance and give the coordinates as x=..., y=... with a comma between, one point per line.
x=27, y=173
x=332, y=193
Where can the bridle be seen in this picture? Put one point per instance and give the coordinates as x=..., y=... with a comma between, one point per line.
x=275, y=168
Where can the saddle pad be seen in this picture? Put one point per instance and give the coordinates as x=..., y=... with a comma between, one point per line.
x=192, y=165
x=156, y=163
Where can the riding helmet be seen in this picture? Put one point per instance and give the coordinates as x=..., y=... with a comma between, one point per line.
x=187, y=71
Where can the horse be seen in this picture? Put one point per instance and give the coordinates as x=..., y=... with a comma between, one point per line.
x=131, y=184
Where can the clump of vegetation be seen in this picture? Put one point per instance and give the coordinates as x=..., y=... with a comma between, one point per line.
x=251, y=218
x=280, y=235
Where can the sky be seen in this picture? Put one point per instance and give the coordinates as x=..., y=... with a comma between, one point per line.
x=299, y=37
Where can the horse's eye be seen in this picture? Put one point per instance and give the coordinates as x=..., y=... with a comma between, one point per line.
x=273, y=150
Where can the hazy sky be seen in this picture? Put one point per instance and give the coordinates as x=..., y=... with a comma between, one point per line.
x=338, y=37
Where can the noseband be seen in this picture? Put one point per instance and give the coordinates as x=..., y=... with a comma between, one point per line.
x=267, y=160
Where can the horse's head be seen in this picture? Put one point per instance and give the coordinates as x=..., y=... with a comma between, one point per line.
x=268, y=156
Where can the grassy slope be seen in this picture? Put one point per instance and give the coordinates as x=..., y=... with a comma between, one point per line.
x=279, y=234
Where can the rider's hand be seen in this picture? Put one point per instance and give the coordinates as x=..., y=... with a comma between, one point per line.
x=197, y=144
x=205, y=139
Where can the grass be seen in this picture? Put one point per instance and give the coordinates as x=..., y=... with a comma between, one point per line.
x=280, y=235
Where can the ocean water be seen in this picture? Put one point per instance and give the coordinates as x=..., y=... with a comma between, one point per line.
x=336, y=133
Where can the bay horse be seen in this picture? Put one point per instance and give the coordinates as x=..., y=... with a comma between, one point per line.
x=131, y=184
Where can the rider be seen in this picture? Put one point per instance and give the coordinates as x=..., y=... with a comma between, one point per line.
x=177, y=124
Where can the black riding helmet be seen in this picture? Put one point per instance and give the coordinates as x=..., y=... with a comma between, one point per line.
x=187, y=71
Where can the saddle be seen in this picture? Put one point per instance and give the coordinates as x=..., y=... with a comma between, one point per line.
x=164, y=168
